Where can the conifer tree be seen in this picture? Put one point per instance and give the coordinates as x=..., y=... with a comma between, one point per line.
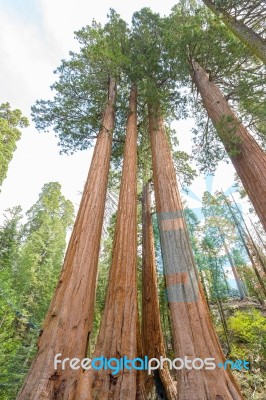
x=189, y=311
x=10, y=122
x=152, y=335
x=188, y=308
x=247, y=157
x=31, y=257
x=118, y=331
x=84, y=101
x=42, y=250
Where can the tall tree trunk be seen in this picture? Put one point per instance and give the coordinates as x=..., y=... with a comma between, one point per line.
x=204, y=289
x=246, y=35
x=68, y=323
x=247, y=157
x=226, y=282
x=141, y=389
x=193, y=332
x=250, y=241
x=258, y=235
x=256, y=264
x=224, y=323
x=153, y=342
x=118, y=331
x=253, y=263
x=234, y=269
x=244, y=239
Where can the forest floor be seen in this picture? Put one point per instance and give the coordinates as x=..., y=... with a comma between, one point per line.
x=247, y=337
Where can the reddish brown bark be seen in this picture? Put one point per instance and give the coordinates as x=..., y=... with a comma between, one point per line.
x=247, y=157
x=152, y=335
x=193, y=332
x=141, y=390
x=68, y=322
x=118, y=331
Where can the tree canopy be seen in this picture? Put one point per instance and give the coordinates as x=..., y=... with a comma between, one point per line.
x=10, y=122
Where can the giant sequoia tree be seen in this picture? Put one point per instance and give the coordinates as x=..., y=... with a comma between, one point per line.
x=247, y=157
x=203, y=46
x=189, y=312
x=193, y=331
x=118, y=331
x=152, y=334
x=158, y=55
x=85, y=98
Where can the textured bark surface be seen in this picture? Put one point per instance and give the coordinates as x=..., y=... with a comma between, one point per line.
x=118, y=331
x=141, y=389
x=152, y=335
x=246, y=35
x=250, y=160
x=69, y=319
x=193, y=332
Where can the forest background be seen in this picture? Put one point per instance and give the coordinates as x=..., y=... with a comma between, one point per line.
x=32, y=44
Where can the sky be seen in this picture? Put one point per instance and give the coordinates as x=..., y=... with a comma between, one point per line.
x=34, y=36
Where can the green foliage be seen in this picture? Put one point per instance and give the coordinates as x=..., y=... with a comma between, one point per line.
x=184, y=171
x=218, y=218
x=16, y=351
x=219, y=228
x=81, y=90
x=247, y=337
x=156, y=54
x=247, y=274
x=10, y=121
x=252, y=104
x=14, y=333
x=200, y=36
x=249, y=333
x=218, y=215
x=213, y=268
x=194, y=33
x=154, y=68
x=249, y=12
x=43, y=249
x=30, y=259
x=226, y=128
x=10, y=239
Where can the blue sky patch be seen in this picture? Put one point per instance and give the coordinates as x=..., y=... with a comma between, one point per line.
x=27, y=10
